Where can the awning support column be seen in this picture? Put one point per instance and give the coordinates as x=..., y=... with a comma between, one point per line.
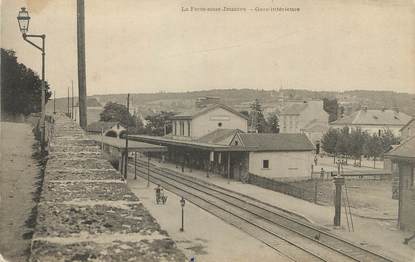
x=229, y=167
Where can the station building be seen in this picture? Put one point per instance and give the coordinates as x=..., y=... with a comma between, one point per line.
x=213, y=137
x=404, y=157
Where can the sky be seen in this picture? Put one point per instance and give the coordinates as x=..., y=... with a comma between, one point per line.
x=147, y=46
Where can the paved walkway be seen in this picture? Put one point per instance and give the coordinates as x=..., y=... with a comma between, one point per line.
x=380, y=235
x=19, y=173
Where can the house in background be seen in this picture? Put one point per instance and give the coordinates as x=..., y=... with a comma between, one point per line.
x=307, y=117
x=112, y=129
x=374, y=121
x=408, y=130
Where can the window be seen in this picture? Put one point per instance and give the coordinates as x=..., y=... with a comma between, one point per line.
x=188, y=128
x=265, y=164
x=219, y=124
x=236, y=143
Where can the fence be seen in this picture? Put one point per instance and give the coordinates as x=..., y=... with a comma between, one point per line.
x=285, y=188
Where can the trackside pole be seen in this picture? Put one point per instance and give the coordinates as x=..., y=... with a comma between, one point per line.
x=135, y=165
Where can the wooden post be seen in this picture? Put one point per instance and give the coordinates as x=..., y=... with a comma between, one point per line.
x=72, y=103
x=80, y=6
x=120, y=163
x=69, y=114
x=102, y=140
x=338, y=182
x=229, y=167
x=126, y=138
x=135, y=165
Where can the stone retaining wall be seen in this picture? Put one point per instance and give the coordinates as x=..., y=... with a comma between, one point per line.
x=87, y=213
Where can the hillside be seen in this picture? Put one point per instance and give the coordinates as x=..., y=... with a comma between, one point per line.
x=240, y=99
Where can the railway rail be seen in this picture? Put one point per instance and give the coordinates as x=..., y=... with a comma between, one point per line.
x=290, y=236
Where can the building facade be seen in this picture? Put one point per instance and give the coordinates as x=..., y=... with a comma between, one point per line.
x=404, y=157
x=204, y=120
x=375, y=121
x=307, y=117
x=408, y=130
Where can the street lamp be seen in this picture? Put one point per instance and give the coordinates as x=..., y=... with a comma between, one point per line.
x=23, y=19
x=182, y=203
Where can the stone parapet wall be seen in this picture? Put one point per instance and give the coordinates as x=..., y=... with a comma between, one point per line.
x=86, y=211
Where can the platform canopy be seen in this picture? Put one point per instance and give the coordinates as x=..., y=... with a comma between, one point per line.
x=186, y=143
x=133, y=146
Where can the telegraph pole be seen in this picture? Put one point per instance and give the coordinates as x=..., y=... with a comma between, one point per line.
x=72, y=102
x=126, y=138
x=80, y=5
x=54, y=102
x=68, y=103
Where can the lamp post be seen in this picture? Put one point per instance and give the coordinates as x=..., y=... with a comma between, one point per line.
x=23, y=19
x=182, y=203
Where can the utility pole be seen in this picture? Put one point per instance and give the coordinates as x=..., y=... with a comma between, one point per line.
x=54, y=102
x=68, y=103
x=80, y=6
x=126, y=138
x=72, y=112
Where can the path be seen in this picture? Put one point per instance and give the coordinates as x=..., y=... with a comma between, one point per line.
x=18, y=176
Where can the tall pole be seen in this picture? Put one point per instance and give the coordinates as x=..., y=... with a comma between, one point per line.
x=68, y=103
x=72, y=102
x=54, y=102
x=126, y=138
x=43, y=100
x=81, y=63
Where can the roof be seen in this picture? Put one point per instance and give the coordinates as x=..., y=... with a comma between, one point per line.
x=133, y=146
x=294, y=109
x=276, y=142
x=251, y=142
x=190, y=114
x=407, y=124
x=163, y=140
x=316, y=126
x=405, y=151
x=219, y=136
x=100, y=125
x=374, y=117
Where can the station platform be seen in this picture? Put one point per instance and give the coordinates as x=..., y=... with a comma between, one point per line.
x=377, y=234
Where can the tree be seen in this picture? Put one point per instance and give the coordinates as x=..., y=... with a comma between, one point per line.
x=20, y=86
x=343, y=145
x=358, y=138
x=256, y=117
x=388, y=140
x=374, y=147
x=273, y=123
x=156, y=123
x=329, y=141
x=331, y=106
x=117, y=113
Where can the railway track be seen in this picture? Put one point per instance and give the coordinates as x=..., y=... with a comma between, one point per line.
x=295, y=239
